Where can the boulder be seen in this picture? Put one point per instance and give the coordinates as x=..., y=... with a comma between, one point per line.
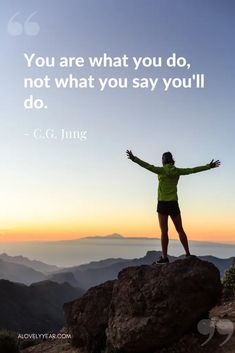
x=147, y=308
x=87, y=318
x=153, y=306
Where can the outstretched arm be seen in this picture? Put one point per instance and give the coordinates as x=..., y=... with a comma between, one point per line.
x=186, y=171
x=152, y=168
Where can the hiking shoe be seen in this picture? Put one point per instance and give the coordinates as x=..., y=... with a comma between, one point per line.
x=162, y=260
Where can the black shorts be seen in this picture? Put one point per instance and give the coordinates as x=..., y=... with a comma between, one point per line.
x=170, y=208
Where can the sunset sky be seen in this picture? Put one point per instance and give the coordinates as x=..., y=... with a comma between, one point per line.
x=53, y=189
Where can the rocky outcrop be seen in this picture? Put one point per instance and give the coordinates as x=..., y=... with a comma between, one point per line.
x=147, y=308
x=87, y=318
x=153, y=306
x=191, y=342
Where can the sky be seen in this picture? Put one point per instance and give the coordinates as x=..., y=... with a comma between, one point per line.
x=52, y=189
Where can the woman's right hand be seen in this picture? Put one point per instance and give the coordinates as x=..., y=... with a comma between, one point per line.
x=130, y=155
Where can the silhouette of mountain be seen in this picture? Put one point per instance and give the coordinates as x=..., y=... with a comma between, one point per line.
x=65, y=277
x=109, y=236
x=19, y=273
x=34, y=264
x=34, y=308
x=221, y=264
x=96, y=264
x=114, y=236
x=92, y=274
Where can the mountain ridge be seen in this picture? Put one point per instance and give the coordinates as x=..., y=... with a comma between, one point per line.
x=91, y=275
x=34, y=264
x=34, y=308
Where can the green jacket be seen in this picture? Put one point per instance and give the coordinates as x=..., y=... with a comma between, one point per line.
x=168, y=177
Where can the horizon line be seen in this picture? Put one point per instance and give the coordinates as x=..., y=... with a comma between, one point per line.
x=111, y=237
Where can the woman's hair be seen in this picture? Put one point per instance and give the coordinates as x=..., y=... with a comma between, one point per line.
x=167, y=158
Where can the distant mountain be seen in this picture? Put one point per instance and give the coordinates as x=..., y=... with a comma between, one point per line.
x=34, y=264
x=114, y=235
x=37, y=308
x=117, y=236
x=98, y=264
x=110, y=236
x=92, y=274
x=19, y=273
x=23, y=274
x=65, y=277
x=221, y=264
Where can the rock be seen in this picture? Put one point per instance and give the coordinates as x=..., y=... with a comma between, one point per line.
x=190, y=342
x=146, y=309
x=87, y=318
x=153, y=306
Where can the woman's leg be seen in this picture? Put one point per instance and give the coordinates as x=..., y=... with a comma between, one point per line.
x=183, y=237
x=163, y=222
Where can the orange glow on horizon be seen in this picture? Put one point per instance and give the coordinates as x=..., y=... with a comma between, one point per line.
x=67, y=231
x=131, y=223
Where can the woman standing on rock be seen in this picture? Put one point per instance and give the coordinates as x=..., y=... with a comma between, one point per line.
x=168, y=177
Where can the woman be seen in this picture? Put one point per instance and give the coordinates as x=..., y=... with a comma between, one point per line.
x=168, y=177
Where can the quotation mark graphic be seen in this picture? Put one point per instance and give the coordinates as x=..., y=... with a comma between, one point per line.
x=208, y=327
x=29, y=28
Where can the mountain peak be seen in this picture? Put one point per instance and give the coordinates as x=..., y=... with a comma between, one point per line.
x=109, y=236
x=114, y=235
